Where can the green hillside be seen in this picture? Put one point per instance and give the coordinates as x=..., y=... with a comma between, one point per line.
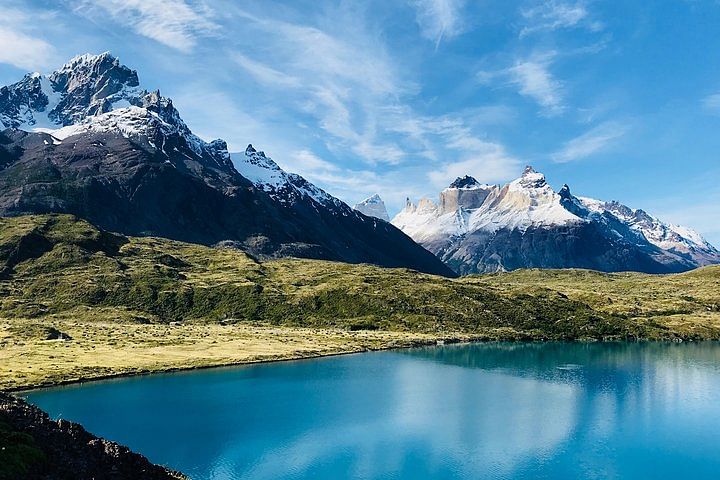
x=61, y=277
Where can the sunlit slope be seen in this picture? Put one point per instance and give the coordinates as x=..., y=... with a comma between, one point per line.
x=687, y=304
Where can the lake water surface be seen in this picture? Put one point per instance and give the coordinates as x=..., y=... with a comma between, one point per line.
x=477, y=411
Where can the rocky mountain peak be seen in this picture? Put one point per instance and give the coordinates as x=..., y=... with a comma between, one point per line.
x=259, y=159
x=530, y=178
x=373, y=206
x=86, y=86
x=88, y=140
x=104, y=71
x=564, y=192
x=90, y=85
x=464, y=182
x=250, y=151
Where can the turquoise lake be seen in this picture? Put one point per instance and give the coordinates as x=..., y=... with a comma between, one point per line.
x=496, y=410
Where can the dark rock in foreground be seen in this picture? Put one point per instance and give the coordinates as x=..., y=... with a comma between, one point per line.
x=33, y=447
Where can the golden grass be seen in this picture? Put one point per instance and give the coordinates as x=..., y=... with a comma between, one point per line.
x=109, y=348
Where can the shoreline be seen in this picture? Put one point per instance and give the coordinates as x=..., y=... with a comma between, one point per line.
x=446, y=340
x=439, y=341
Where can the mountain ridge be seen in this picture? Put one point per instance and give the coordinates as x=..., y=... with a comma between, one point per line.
x=479, y=228
x=88, y=140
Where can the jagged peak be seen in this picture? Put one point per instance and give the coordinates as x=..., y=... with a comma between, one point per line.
x=88, y=59
x=250, y=150
x=564, y=192
x=374, y=198
x=464, y=182
x=88, y=68
x=373, y=206
x=258, y=158
x=530, y=178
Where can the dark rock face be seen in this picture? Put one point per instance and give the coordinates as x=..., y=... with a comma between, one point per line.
x=45, y=449
x=464, y=182
x=26, y=93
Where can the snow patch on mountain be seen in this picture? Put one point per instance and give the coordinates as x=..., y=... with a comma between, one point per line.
x=666, y=236
x=373, y=206
x=279, y=184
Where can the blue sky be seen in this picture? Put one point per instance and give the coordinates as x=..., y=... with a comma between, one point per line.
x=621, y=100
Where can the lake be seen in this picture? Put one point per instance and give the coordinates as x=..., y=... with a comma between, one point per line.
x=495, y=410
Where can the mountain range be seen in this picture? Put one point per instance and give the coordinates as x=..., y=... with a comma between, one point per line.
x=477, y=228
x=88, y=140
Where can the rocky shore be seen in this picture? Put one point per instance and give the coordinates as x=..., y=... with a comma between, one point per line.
x=35, y=447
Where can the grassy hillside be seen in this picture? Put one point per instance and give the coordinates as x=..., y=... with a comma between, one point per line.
x=143, y=304
x=686, y=305
x=57, y=264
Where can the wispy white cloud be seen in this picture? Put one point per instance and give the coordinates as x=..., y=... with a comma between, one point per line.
x=20, y=45
x=342, y=81
x=175, y=23
x=486, y=161
x=554, y=15
x=351, y=94
x=533, y=79
x=712, y=103
x=350, y=184
x=439, y=19
x=456, y=149
x=264, y=73
x=591, y=142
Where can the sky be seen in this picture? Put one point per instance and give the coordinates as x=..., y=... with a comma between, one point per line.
x=620, y=100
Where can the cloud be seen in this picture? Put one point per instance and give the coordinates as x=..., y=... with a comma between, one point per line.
x=347, y=183
x=554, y=15
x=24, y=51
x=264, y=73
x=336, y=80
x=455, y=149
x=18, y=46
x=486, y=161
x=439, y=19
x=591, y=142
x=712, y=103
x=175, y=23
x=341, y=80
x=534, y=80
x=307, y=162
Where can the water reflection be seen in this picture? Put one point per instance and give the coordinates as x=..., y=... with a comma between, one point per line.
x=471, y=411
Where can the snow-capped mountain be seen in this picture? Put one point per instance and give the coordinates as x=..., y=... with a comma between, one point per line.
x=479, y=228
x=87, y=139
x=282, y=186
x=373, y=206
